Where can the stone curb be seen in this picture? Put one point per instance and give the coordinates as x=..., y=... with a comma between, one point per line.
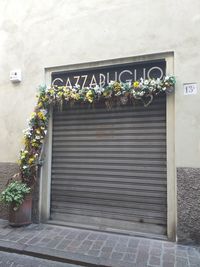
x=54, y=255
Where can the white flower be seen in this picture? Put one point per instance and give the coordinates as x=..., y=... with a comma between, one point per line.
x=77, y=86
x=146, y=82
x=25, y=167
x=111, y=83
x=97, y=89
x=74, y=90
x=157, y=80
x=153, y=82
x=117, y=94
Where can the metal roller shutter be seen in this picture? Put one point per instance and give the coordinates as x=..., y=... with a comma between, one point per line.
x=109, y=167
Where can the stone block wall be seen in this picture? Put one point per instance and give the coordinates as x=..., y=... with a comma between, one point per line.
x=188, y=191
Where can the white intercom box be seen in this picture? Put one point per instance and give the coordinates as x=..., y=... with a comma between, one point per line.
x=15, y=76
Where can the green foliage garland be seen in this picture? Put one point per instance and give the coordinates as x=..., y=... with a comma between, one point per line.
x=115, y=92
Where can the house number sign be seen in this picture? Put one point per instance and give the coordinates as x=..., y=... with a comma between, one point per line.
x=190, y=88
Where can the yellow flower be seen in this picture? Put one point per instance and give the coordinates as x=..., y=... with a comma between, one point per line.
x=75, y=96
x=51, y=91
x=40, y=104
x=117, y=87
x=33, y=114
x=37, y=131
x=106, y=93
x=25, y=141
x=44, y=98
x=31, y=160
x=60, y=94
x=41, y=116
x=90, y=96
x=34, y=143
x=136, y=84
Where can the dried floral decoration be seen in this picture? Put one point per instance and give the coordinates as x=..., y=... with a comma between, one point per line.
x=115, y=93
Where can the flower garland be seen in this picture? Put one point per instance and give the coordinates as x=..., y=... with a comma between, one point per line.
x=114, y=93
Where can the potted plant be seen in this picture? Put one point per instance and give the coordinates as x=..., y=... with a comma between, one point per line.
x=17, y=196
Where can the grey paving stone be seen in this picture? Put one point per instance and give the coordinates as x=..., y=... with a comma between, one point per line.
x=97, y=244
x=142, y=257
x=155, y=261
x=144, y=248
x=64, y=232
x=85, y=246
x=54, y=243
x=34, y=240
x=182, y=263
x=44, y=241
x=129, y=257
x=82, y=235
x=117, y=255
x=114, y=238
x=168, y=258
x=63, y=244
x=124, y=240
x=125, y=264
x=75, y=243
x=71, y=249
x=168, y=264
x=145, y=242
x=120, y=247
x=157, y=244
x=94, y=252
x=131, y=250
x=181, y=247
x=110, y=243
x=102, y=237
x=194, y=260
x=71, y=235
x=105, y=255
x=155, y=251
x=92, y=236
x=181, y=253
x=105, y=248
x=133, y=243
x=193, y=252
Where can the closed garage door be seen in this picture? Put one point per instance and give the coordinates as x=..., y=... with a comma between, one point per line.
x=109, y=167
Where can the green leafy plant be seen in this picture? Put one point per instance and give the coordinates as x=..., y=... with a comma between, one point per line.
x=15, y=193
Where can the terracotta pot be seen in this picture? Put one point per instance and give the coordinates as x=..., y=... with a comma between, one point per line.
x=22, y=216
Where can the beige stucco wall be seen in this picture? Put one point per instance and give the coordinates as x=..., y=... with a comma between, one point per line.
x=39, y=34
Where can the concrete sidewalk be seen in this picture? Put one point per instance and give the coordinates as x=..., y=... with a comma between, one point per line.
x=92, y=248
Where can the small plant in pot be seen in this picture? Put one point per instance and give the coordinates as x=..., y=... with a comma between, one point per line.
x=17, y=196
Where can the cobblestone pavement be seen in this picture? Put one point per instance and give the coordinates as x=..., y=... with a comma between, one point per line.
x=97, y=248
x=15, y=260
